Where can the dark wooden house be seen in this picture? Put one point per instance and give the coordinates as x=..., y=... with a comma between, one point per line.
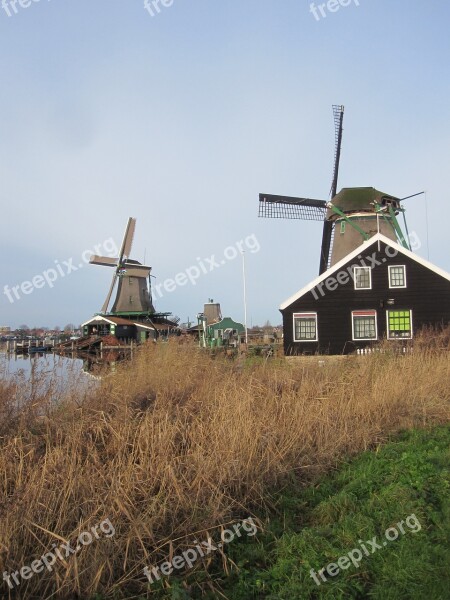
x=379, y=291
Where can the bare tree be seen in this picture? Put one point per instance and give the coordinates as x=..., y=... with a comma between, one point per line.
x=267, y=327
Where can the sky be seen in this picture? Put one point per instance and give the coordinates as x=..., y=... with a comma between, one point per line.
x=182, y=118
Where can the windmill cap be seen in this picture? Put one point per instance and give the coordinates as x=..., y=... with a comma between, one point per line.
x=362, y=199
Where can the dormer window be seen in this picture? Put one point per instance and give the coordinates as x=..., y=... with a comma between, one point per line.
x=397, y=276
x=363, y=278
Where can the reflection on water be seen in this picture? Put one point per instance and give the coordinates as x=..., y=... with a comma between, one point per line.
x=44, y=374
x=103, y=363
x=55, y=375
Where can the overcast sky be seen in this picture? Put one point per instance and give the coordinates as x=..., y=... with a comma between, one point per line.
x=180, y=119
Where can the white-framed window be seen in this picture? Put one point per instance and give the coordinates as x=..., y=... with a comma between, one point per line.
x=363, y=278
x=397, y=276
x=399, y=324
x=364, y=325
x=305, y=327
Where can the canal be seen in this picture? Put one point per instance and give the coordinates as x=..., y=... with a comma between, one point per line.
x=48, y=375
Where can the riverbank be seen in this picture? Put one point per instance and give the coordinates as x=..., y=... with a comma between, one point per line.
x=376, y=528
x=177, y=444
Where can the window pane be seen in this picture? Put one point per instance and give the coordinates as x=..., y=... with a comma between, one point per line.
x=364, y=328
x=397, y=276
x=305, y=328
x=399, y=323
x=362, y=278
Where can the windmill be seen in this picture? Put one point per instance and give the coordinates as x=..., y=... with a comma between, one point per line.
x=132, y=294
x=350, y=217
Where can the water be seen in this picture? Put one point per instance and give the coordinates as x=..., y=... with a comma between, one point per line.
x=45, y=374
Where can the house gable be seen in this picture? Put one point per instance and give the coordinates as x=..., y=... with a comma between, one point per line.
x=358, y=255
x=337, y=305
x=226, y=324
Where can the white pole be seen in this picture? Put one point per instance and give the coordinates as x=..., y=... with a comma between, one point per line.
x=245, y=297
x=378, y=229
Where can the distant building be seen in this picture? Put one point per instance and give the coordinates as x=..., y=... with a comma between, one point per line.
x=4, y=330
x=225, y=330
x=212, y=312
x=215, y=330
x=122, y=329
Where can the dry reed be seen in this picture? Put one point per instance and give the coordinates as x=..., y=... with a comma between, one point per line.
x=179, y=442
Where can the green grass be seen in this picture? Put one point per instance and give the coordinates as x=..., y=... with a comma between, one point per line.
x=312, y=527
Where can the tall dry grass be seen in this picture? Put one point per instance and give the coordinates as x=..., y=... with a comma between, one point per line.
x=179, y=442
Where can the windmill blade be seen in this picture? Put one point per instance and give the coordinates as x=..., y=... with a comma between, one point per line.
x=104, y=261
x=327, y=233
x=129, y=236
x=326, y=245
x=338, y=113
x=288, y=207
x=127, y=239
x=108, y=297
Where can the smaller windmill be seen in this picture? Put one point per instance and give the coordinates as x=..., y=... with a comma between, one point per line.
x=133, y=297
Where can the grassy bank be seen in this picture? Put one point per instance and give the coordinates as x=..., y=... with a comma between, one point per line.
x=312, y=528
x=177, y=444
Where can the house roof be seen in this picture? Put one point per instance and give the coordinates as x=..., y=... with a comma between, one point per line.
x=226, y=322
x=142, y=326
x=120, y=321
x=364, y=246
x=116, y=321
x=110, y=320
